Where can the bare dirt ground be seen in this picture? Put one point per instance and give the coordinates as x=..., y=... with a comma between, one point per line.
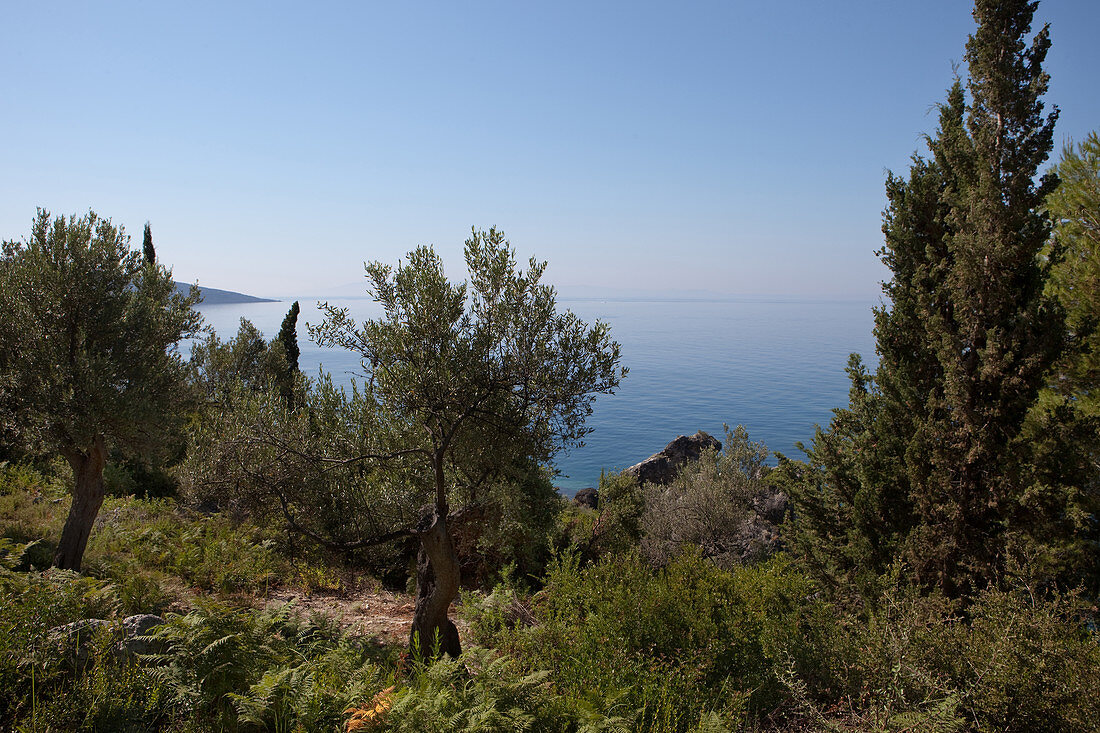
x=383, y=615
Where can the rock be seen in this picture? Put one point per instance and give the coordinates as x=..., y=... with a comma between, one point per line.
x=134, y=629
x=587, y=497
x=661, y=468
x=140, y=625
x=756, y=540
x=770, y=504
x=76, y=640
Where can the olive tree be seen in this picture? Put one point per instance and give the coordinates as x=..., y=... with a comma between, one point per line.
x=484, y=375
x=88, y=356
x=246, y=357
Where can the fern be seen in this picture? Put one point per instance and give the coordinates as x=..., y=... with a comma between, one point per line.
x=279, y=699
x=479, y=692
x=940, y=716
x=711, y=722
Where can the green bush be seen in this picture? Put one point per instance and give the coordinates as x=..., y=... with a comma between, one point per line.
x=574, y=529
x=261, y=668
x=33, y=506
x=118, y=481
x=666, y=647
x=1010, y=663
x=219, y=668
x=516, y=532
x=1030, y=665
x=708, y=505
x=617, y=527
x=22, y=478
x=112, y=694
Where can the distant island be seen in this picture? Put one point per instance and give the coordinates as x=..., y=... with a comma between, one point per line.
x=214, y=296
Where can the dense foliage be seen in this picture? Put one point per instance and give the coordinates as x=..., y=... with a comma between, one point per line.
x=933, y=466
x=1075, y=275
x=711, y=506
x=616, y=645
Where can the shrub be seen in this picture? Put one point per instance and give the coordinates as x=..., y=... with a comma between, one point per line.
x=1029, y=665
x=218, y=668
x=516, y=534
x=617, y=527
x=112, y=694
x=134, y=477
x=668, y=646
x=311, y=695
x=209, y=553
x=709, y=505
x=32, y=507
x=31, y=669
x=1010, y=663
x=22, y=478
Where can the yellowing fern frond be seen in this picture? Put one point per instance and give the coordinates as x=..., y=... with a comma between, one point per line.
x=370, y=715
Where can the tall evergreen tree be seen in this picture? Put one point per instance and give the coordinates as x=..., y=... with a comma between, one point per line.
x=288, y=337
x=928, y=464
x=147, y=245
x=1063, y=429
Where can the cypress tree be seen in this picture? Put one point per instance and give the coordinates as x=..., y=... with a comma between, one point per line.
x=288, y=337
x=994, y=334
x=929, y=465
x=147, y=245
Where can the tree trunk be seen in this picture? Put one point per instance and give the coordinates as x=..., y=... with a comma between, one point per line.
x=437, y=578
x=87, y=499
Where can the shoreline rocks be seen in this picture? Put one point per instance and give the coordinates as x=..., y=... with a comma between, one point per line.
x=589, y=497
x=661, y=468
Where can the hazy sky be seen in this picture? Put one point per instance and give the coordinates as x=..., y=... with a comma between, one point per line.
x=728, y=146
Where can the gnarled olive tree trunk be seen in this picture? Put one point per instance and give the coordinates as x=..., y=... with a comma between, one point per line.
x=437, y=574
x=88, y=492
x=437, y=579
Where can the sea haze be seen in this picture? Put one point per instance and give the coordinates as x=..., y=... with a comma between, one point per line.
x=775, y=365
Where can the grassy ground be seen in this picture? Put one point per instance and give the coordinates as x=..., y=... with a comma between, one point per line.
x=160, y=556
x=282, y=619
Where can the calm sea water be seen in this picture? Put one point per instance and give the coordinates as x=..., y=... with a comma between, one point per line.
x=773, y=365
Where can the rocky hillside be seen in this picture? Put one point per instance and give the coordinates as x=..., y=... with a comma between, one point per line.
x=214, y=296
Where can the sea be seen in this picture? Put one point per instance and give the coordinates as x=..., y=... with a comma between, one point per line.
x=773, y=364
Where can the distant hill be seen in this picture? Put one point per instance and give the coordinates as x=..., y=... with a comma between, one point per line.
x=213, y=296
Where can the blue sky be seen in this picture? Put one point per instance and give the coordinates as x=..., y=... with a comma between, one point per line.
x=731, y=147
